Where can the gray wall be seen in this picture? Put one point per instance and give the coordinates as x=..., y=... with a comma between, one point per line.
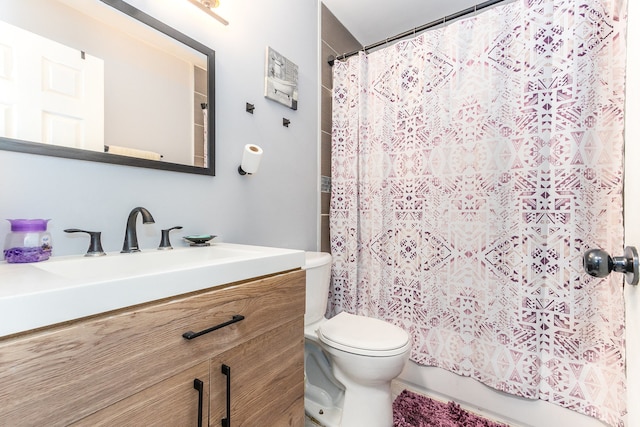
x=278, y=206
x=336, y=40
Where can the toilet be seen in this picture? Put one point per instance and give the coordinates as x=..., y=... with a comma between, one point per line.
x=350, y=360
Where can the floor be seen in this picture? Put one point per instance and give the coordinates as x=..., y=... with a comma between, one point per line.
x=309, y=423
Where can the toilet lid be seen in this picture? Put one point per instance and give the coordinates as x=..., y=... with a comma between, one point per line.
x=358, y=333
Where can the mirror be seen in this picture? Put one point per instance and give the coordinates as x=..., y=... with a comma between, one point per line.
x=100, y=80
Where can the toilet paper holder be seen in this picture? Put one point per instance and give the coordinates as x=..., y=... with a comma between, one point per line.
x=598, y=263
x=251, y=155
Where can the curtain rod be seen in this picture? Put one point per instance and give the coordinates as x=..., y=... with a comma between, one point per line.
x=415, y=30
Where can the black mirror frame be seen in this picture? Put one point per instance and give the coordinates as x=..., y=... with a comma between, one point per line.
x=9, y=144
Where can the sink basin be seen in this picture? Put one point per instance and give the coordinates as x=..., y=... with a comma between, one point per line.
x=71, y=287
x=141, y=263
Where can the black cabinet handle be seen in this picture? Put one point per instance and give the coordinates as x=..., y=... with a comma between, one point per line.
x=191, y=335
x=199, y=385
x=226, y=422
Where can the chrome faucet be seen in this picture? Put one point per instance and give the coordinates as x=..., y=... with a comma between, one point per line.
x=130, y=234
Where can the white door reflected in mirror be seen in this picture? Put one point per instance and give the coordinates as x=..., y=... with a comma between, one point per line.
x=65, y=105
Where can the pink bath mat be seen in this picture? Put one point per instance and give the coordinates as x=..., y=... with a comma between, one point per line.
x=413, y=410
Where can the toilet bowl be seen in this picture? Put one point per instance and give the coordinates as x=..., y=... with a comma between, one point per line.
x=350, y=360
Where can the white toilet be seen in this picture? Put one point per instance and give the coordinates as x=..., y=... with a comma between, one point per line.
x=349, y=360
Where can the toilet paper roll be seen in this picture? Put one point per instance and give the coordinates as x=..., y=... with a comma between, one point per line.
x=251, y=158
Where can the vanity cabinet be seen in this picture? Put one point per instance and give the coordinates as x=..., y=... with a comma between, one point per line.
x=260, y=379
x=172, y=402
x=133, y=366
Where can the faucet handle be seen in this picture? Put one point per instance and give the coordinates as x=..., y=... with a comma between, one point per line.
x=165, y=244
x=95, y=245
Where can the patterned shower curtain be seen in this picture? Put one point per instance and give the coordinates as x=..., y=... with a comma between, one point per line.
x=472, y=166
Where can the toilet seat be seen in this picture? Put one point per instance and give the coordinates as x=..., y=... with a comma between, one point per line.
x=363, y=335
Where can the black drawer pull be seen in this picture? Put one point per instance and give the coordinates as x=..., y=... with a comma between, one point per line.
x=191, y=335
x=199, y=385
x=226, y=422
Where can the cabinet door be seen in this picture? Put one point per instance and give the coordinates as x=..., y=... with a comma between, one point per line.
x=266, y=380
x=173, y=402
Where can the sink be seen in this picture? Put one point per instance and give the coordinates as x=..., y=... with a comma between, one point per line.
x=141, y=263
x=72, y=287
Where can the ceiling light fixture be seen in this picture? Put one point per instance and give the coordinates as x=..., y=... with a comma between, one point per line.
x=208, y=6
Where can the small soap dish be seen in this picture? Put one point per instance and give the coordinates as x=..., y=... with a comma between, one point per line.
x=199, y=240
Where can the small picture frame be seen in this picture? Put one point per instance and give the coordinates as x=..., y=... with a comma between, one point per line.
x=281, y=79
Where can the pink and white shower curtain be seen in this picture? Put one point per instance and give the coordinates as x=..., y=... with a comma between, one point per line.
x=472, y=166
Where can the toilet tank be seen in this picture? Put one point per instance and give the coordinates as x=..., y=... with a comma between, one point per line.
x=318, y=269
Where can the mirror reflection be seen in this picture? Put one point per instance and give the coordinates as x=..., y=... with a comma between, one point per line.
x=83, y=79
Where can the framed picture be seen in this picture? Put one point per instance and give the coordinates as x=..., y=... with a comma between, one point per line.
x=281, y=79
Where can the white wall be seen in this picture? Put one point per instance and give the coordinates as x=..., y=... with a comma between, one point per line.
x=275, y=207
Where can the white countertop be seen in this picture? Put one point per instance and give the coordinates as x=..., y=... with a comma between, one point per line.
x=71, y=287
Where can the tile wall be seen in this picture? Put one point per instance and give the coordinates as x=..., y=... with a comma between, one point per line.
x=336, y=40
x=200, y=97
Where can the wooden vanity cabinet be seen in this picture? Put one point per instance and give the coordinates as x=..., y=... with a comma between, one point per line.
x=133, y=367
x=262, y=379
x=172, y=402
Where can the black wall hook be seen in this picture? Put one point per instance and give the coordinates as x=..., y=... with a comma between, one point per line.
x=285, y=122
x=249, y=108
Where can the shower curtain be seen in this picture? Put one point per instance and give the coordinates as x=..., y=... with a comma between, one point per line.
x=472, y=166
